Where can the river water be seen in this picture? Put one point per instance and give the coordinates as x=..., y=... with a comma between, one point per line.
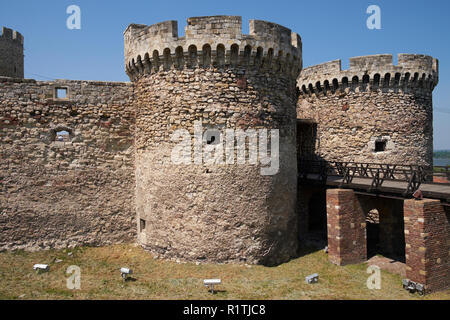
x=441, y=162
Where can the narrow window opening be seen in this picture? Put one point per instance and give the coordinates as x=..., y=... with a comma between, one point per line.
x=61, y=93
x=380, y=145
x=142, y=225
x=62, y=136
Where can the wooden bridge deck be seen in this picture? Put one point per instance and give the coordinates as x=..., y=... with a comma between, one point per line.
x=429, y=190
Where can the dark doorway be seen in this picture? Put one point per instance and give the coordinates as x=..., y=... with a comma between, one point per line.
x=373, y=233
x=306, y=139
x=317, y=214
x=385, y=229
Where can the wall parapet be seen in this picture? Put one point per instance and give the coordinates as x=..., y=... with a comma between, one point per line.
x=211, y=41
x=377, y=71
x=11, y=35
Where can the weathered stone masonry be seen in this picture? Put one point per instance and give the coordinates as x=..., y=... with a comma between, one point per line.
x=381, y=113
x=374, y=101
x=214, y=212
x=55, y=194
x=113, y=178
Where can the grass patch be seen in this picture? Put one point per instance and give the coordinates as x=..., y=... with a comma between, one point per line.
x=159, y=279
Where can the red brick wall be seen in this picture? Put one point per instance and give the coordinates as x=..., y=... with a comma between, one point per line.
x=346, y=224
x=427, y=236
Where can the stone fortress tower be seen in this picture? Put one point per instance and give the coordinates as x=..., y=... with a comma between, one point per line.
x=11, y=54
x=373, y=112
x=227, y=80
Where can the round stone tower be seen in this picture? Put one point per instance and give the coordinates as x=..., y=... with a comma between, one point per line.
x=11, y=54
x=210, y=89
x=374, y=111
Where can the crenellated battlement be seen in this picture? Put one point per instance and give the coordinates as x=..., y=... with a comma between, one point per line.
x=11, y=35
x=214, y=41
x=376, y=71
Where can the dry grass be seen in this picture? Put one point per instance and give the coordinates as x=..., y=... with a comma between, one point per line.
x=157, y=279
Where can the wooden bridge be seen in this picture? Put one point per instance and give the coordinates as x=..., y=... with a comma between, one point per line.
x=389, y=180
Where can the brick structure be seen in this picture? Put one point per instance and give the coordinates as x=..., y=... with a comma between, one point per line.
x=346, y=224
x=427, y=229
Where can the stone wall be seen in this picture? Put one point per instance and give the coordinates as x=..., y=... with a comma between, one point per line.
x=214, y=212
x=373, y=105
x=76, y=191
x=11, y=54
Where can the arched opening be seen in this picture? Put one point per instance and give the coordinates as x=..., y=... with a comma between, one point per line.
x=140, y=65
x=345, y=82
x=366, y=79
x=192, y=51
x=387, y=80
x=61, y=134
x=335, y=84
x=355, y=81
x=326, y=85
x=147, y=64
x=220, y=59
x=397, y=79
x=406, y=79
x=259, y=56
x=179, y=57
x=279, y=61
x=269, y=58
x=376, y=80
x=167, y=59
x=422, y=80
x=247, y=54
x=206, y=55
x=234, y=57
x=318, y=87
x=156, y=62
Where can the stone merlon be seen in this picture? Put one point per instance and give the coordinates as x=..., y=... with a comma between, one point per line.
x=412, y=69
x=149, y=47
x=9, y=34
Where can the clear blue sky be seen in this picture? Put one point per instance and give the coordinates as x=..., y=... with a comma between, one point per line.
x=329, y=30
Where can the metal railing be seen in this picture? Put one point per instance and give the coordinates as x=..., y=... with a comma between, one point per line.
x=379, y=173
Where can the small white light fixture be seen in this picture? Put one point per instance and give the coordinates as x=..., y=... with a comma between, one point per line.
x=412, y=286
x=314, y=278
x=125, y=272
x=41, y=267
x=210, y=283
